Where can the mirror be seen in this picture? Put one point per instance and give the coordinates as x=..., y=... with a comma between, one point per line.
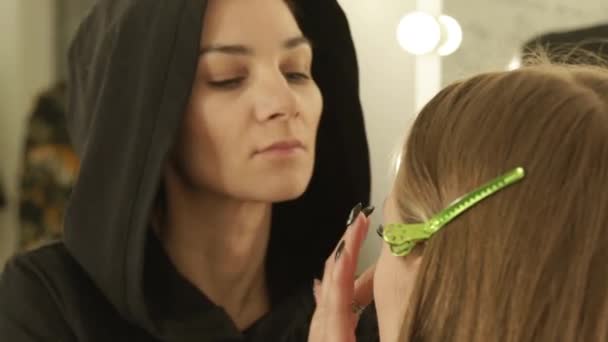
x=495, y=31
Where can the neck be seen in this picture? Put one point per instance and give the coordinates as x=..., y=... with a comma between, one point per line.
x=219, y=244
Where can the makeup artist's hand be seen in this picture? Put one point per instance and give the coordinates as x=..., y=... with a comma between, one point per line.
x=340, y=298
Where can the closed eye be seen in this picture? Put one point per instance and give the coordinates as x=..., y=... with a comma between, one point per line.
x=227, y=83
x=297, y=77
x=231, y=83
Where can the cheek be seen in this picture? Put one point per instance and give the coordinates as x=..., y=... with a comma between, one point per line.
x=318, y=103
x=312, y=105
x=394, y=281
x=383, y=281
x=209, y=139
x=198, y=133
x=214, y=122
x=385, y=295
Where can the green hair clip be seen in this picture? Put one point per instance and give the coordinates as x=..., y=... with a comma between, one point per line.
x=403, y=237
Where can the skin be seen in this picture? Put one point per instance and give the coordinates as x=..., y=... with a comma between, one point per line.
x=392, y=280
x=253, y=89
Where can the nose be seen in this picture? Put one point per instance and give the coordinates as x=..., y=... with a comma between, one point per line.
x=274, y=99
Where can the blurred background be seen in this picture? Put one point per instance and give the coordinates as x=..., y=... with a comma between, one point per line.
x=37, y=165
x=407, y=50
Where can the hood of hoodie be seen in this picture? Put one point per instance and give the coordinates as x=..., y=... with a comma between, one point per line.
x=131, y=69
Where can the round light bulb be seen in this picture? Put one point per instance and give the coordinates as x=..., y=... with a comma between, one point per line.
x=452, y=33
x=418, y=33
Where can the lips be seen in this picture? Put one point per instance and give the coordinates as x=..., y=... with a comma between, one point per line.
x=283, y=145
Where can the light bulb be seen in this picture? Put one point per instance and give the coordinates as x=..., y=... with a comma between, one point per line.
x=418, y=33
x=452, y=33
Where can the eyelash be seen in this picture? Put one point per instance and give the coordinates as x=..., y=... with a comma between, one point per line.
x=297, y=76
x=227, y=84
x=294, y=77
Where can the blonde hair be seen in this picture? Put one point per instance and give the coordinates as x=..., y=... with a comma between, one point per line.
x=587, y=52
x=530, y=263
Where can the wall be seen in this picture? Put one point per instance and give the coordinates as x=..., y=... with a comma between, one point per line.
x=387, y=92
x=494, y=30
x=26, y=67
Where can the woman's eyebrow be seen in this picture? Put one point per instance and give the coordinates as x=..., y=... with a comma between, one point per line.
x=243, y=50
x=227, y=49
x=294, y=42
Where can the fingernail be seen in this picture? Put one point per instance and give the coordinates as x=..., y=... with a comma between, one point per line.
x=368, y=210
x=339, y=250
x=380, y=231
x=354, y=213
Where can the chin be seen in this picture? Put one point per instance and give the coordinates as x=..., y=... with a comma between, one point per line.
x=285, y=190
x=282, y=187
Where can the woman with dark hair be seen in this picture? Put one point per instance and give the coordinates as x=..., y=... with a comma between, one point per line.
x=222, y=146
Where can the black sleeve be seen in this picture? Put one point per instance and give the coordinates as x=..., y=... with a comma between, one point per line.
x=28, y=312
x=367, y=329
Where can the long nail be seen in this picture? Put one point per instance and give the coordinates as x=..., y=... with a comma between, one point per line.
x=354, y=213
x=339, y=249
x=368, y=210
x=380, y=231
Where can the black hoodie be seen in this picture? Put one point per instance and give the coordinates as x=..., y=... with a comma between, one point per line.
x=132, y=66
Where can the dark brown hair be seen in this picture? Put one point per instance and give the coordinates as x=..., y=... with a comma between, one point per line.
x=531, y=262
x=291, y=4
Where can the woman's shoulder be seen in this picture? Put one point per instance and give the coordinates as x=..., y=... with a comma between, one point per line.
x=49, y=268
x=38, y=260
x=46, y=296
x=30, y=303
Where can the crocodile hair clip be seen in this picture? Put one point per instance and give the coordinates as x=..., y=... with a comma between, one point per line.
x=403, y=237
